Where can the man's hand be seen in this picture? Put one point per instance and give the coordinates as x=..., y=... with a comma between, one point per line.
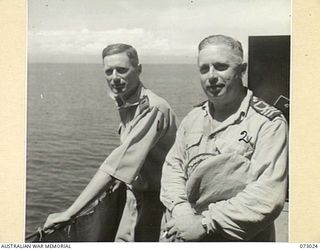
x=187, y=228
x=116, y=184
x=56, y=218
x=182, y=209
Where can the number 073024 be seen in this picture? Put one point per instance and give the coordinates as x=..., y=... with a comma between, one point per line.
x=310, y=245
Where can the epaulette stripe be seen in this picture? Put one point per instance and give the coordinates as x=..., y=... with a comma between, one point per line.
x=264, y=108
x=273, y=108
x=274, y=114
x=269, y=113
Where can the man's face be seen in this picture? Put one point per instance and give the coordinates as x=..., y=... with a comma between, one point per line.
x=220, y=73
x=121, y=75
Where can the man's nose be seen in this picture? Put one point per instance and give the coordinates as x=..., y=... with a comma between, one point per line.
x=115, y=77
x=114, y=74
x=213, y=76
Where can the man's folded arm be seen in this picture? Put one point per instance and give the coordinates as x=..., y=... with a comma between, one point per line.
x=125, y=162
x=253, y=209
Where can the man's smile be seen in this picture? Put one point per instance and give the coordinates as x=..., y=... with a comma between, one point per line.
x=215, y=89
x=119, y=87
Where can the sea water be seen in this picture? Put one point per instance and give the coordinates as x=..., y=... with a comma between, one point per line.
x=72, y=127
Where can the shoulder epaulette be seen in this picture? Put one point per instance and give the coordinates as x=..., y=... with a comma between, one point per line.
x=200, y=104
x=264, y=108
x=144, y=103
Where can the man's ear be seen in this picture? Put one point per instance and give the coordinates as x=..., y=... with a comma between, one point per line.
x=244, y=68
x=139, y=68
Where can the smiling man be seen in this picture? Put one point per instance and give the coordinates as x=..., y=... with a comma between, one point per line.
x=225, y=177
x=147, y=132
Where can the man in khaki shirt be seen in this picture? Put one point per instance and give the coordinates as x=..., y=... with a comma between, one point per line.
x=225, y=177
x=147, y=131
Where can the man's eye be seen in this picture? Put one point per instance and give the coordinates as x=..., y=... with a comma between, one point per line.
x=122, y=70
x=204, y=68
x=109, y=72
x=221, y=66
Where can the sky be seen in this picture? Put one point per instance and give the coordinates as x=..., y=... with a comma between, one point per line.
x=166, y=31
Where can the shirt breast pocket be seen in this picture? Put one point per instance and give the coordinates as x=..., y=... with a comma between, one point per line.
x=192, y=144
x=234, y=146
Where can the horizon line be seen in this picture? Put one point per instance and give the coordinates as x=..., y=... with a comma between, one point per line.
x=81, y=62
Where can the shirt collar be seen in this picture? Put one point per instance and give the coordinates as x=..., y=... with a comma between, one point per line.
x=242, y=111
x=244, y=106
x=133, y=100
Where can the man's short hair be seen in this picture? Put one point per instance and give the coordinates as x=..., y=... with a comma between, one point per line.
x=221, y=39
x=118, y=48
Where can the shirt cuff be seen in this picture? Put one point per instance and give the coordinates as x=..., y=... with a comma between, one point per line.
x=113, y=173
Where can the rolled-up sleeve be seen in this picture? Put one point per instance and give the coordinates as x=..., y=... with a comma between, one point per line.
x=125, y=162
x=254, y=208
